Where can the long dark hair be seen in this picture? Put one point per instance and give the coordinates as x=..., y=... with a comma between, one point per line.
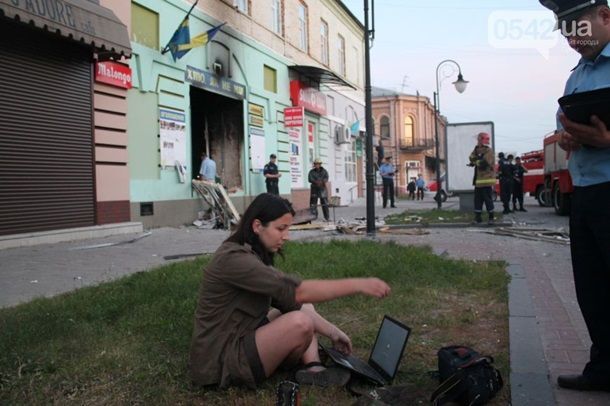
x=266, y=208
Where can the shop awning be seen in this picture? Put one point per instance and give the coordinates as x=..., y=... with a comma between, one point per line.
x=320, y=75
x=80, y=20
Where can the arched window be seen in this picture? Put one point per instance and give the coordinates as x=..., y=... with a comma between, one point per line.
x=384, y=125
x=408, y=135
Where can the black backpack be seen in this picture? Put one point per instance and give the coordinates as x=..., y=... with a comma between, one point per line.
x=466, y=376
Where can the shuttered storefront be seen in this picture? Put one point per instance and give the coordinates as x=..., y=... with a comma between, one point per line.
x=46, y=146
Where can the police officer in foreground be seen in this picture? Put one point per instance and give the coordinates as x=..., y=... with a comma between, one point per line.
x=589, y=145
x=272, y=176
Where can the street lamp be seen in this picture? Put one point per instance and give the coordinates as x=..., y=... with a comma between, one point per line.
x=460, y=85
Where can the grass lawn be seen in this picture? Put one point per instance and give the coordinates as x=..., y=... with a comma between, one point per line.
x=434, y=217
x=126, y=342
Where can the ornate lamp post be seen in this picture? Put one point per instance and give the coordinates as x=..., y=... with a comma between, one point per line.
x=460, y=85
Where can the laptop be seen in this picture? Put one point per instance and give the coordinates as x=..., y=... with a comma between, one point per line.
x=385, y=356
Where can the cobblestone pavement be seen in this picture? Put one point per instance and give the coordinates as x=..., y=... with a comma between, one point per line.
x=51, y=269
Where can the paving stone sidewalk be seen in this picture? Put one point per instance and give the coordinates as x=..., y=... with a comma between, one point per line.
x=541, y=273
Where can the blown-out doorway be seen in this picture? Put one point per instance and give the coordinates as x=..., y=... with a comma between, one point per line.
x=217, y=129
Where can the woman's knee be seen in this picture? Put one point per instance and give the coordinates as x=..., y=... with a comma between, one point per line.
x=302, y=325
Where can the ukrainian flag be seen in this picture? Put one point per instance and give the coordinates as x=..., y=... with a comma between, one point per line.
x=200, y=40
x=181, y=37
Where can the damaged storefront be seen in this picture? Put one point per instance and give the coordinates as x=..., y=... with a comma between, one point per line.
x=224, y=100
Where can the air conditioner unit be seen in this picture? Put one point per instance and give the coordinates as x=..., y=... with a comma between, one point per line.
x=412, y=164
x=342, y=135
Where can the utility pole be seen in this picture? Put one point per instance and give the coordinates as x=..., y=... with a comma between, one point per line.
x=370, y=129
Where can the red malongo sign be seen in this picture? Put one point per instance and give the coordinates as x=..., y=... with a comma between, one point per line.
x=307, y=97
x=293, y=116
x=113, y=74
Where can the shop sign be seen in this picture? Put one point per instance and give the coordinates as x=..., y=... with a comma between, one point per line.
x=256, y=115
x=113, y=74
x=213, y=83
x=293, y=116
x=312, y=99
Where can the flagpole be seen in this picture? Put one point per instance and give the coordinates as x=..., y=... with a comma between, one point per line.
x=166, y=48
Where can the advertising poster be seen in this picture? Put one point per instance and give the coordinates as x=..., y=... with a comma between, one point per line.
x=172, y=137
x=257, y=148
x=296, y=158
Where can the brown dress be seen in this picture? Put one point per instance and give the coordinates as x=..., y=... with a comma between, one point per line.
x=236, y=293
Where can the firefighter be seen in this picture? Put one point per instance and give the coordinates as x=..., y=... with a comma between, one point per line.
x=589, y=146
x=482, y=158
x=318, y=176
x=505, y=173
x=518, y=171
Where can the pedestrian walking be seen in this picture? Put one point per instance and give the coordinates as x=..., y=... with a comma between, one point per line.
x=421, y=186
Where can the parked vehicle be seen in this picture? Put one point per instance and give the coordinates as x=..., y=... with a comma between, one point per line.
x=557, y=180
x=533, y=180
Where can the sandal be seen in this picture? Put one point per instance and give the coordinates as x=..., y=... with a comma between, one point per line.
x=330, y=376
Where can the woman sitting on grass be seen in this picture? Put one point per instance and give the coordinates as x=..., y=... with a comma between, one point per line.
x=251, y=318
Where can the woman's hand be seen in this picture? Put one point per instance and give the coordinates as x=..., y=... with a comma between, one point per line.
x=341, y=341
x=374, y=287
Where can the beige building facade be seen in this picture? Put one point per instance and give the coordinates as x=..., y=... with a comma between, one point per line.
x=405, y=127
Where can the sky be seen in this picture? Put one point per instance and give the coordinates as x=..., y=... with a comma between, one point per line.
x=515, y=63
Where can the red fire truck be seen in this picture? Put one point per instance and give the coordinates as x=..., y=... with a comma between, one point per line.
x=557, y=181
x=533, y=180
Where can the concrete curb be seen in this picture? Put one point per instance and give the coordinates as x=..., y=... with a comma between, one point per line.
x=529, y=377
x=68, y=234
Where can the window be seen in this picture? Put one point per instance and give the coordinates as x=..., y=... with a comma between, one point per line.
x=241, y=5
x=144, y=26
x=356, y=65
x=407, y=136
x=276, y=15
x=384, y=129
x=270, y=79
x=350, y=162
x=324, y=42
x=341, y=55
x=303, y=34
x=330, y=104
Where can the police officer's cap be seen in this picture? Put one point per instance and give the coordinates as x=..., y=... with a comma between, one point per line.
x=501, y=155
x=568, y=10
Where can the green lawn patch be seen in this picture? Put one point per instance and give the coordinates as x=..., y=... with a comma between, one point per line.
x=127, y=341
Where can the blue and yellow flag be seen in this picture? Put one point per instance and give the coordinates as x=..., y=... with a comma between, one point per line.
x=200, y=40
x=181, y=37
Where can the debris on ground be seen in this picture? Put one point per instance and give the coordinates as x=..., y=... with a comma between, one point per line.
x=559, y=236
x=215, y=195
x=404, y=231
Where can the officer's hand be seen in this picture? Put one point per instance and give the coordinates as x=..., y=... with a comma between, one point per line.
x=595, y=135
x=567, y=142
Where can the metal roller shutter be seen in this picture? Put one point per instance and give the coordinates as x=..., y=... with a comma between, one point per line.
x=46, y=146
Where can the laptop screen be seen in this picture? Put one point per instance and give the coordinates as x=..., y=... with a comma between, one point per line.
x=389, y=346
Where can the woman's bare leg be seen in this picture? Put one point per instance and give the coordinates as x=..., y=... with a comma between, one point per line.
x=286, y=338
